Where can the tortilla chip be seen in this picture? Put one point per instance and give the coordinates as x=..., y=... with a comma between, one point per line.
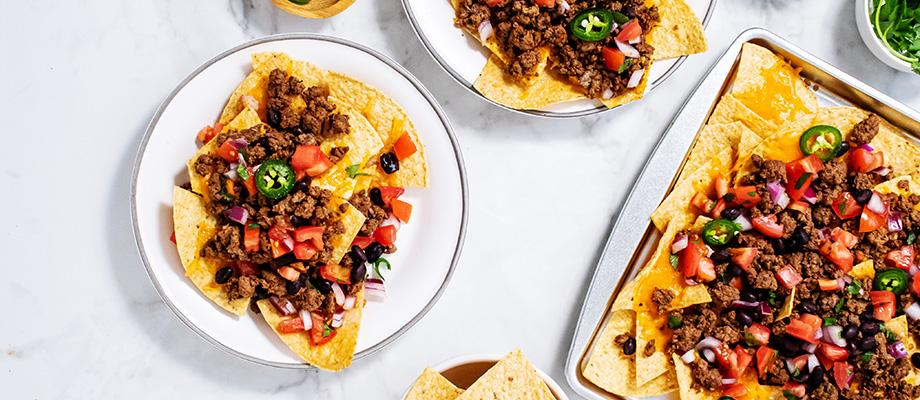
x=770, y=87
x=788, y=306
x=336, y=354
x=433, y=386
x=612, y=370
x=193, y=228
x=713, y=139
x=635, y=93
x=245, y=119
x=864, y=270
x=624, y=300
x=679, y=32
x=901, y=154
x=513, y=377
x=353, y=220
x=501, y=88
x=729, y=110
x=749, y=141
x=685, y=382
x=262, y=66
x=678, y=201
x=363, y=144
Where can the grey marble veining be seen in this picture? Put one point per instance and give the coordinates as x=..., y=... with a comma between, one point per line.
x=82, y=80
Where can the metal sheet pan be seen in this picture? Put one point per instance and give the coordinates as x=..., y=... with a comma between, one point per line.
x=634, y=236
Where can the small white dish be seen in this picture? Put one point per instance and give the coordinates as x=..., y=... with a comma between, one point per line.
x=875, y=45
x=463, y=370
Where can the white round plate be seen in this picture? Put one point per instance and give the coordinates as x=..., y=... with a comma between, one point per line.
x=429, y=246
x=463, y=57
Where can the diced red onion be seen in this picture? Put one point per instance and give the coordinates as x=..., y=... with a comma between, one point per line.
x=680, y=242
x=688, y=357
x=636, y=40
x=841, y=283
x=338, y=318
x=288, y=243
x=913, y=311
x=628, y=50
x=832, y=335
x=709, y=355
x=765, y=309
x=283, y=305
x=339, y=293
x=242, y=160
x=485, y=30
x=349, y=302
x=374, y=290
x=238, y=143
x=894, y=222
x=564, y=6
x=776, y=190
x=745, y=304
x=307, y=320
x=607, y=94
x=729, y=381
x=810, y=196
x=790, y=366
x=708, y=343
x=847, y=278
x=897, y=350
x=849, y=381
x=250, y=102
x=866, y=147
x=783, y=201
x=239, y=214
x=819, y=333
x=913, y=269
x=824, y=234
x=875, y=204
x=744, y=223
x=883, y=170
x=232, y=174
x=392, y=220
x=813, y=360
x=810, y=348
x=635, y=78
x=709, y=251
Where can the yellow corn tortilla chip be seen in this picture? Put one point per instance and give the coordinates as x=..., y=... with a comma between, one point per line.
x=245, y=119
x=788, y=306
x=635, y=93
x=513, y=377
x=501, y=88
x=193, y=228
x=678, y=201
x=770, y=87
x=901, y=153
x=891, y=186
x=433, y=386
x=353, y=221
x=899, y=327
x=864, y=270
x=363, y=144
x=729, y=110
x=336, y=354
x=679, y=32
x=689, y=392
x=713, y=139
x=612, y=370
x=262, y=64
x=749, y=141
x=624, y=300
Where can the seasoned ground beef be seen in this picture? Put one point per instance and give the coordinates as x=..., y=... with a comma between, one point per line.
x=374, y=213
x=865, y=130
x=662, y=298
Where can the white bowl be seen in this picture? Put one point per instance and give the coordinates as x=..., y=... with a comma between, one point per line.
x=872, y=41
x=464, y=370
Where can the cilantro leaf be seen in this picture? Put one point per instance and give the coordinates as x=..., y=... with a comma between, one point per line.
x=674, y=259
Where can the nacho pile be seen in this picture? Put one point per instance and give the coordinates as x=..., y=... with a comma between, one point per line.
x=544, y=52
x=786, y=265
x=293, y=202
x=512, y=377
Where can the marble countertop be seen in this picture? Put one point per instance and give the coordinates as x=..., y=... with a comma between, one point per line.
x=81, y=318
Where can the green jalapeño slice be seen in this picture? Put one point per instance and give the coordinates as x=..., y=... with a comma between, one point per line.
x=719, y=232
x=275, y=178
x=893, y=280
x=823, y=141
x=592, y=24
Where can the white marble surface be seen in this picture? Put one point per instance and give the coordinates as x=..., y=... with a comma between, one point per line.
x=81, y=81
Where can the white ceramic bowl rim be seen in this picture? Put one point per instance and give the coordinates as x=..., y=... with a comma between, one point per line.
x=867, y=31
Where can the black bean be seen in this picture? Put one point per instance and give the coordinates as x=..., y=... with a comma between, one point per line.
x=748, y=297
x=762, y=294
x=870, y=328
x=780, y=246
x=373, y=251
x=849, y=332
x=915, y=360
x=862, y=197
x=867, y=316
x=357, y=255
x=744, y=318
x=817, y=377
x=629, y=346
x=302, y=185
x=297, y=221
x=358, y=272
x=223, y=275
x=732, y=212
x=297, y=130
x=389, y=163
x=630, y=11
x=792, y=343
x=803, y=376
x=851, y=347
x=274, y=119
x=376, y=197
x=868, y=343
x=734, y=270
x=844, y=147
x=262, y=293
x=808, y=307
x=800, y=236
x=720, y=256
x=293, y=286
x=286, y=259
x=321, y=284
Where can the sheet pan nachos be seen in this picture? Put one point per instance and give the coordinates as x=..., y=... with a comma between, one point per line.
x=787, y=264
x=293, y=203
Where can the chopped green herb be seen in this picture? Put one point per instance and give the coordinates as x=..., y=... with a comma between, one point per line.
x=854, y=288
x=911, y=237
x=675, y=322
x=223, y=193
x=377, y=263
x=771, y=298
x=888, y=334
x=866, y=356
x=242, y=172
x=839, y=305
x=749, y=338
x=624, y=65
x=674, y=259
x=253, y=226
x=842, y=207
x=752, y=194
x=802, y=179
x=788, y=394
x=729, y=197
x=828, y=321
x=897, y=24
x=352, y=171
x=327, y=330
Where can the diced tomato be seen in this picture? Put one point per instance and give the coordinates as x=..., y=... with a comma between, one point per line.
x=312, y=233
x=800, y=362
x=765, y=358
x=691, y=257
x=388, y=193
x=788, y=276
x=799, y=174
x=404, y=147
x=705, y=204
x=305, y=250
x=336, y=273
x=386, y=235
x=845, y=206
x=760, y=333
x=492, y=3
x=799, y=206
x=718, y=208
x=172, y=238
x=630, y=31
x=846, y=238
x=735, y=390
x=915, y=283
x=278, y=248
x=834, y=353
x=883, y=305
x=278, y=236
x=797, y=389
x=707, y=272
x=744, y=359
x=871, y=220
x=838, y=254
x=862, y=160
x=291, y=325
x=401, y=209
x=289, y=273
x=545, y=3
x=842, y=373
x=311, y=160
x=228, y=152
x=828, y=284
x=206, y=134
x=742, y=196
x=743, y=256
x=218, y=128
x=251, y=239
x=362, y=241
x=811, y=320
x=736, y=283
x=250, y=182
x=767, y=225
x=245, y=268
x=801, y=330
x=721, y=186
x=320, y=333
x=902, y=258
x=727, y=358
x=613, y=58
